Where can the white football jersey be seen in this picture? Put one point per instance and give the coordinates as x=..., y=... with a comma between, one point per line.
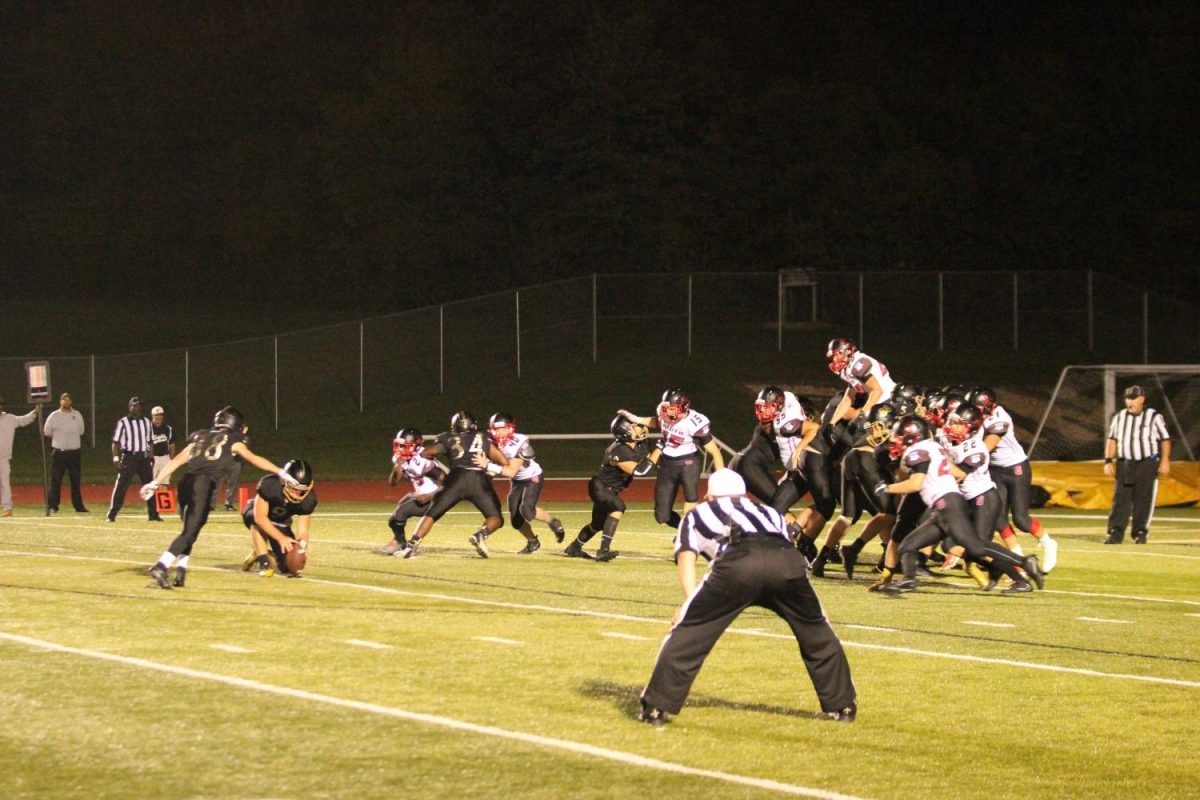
x=1008, y=451
x=862, y=367
x=971, y=456
x=790, y=418
x=939, y=480
x=679, y=437
x=518, y=446
x=417, y=469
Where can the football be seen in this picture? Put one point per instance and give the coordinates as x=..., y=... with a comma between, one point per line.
x=296, y=560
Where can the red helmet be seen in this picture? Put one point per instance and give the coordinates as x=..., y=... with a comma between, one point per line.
x=962, y=423
x=839, y=353
x=406, y=444
x=983, y=398
x=905, y=433
x=674, y=405
x=502, y=426
x=768, y=404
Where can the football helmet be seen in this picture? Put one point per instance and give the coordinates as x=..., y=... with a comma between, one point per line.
x=906, y=432
x=406, y=444
x=302, y=471
x=984, y=399
x=838, y=353
x=933, y=402
x=951, y=403
x=463, y=422
x=902, y=407
x=502, y=426
x=674, y=404
x=955, y=388
x=879, y=423
x=962, y=423
x=769, y=404
x=229, y=417
x=625, y=431
x=907, y=391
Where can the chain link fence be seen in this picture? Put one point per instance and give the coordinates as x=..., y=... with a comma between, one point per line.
x=538, y=332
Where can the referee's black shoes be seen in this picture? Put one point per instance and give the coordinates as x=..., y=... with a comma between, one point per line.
x=1140, y=537
x=846, y=714
x=651, y=715
x=1114, y=537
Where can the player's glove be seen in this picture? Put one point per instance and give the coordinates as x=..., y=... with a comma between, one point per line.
x=629, y=415
x=286, y=477
x=881, y=488
x=148, y=489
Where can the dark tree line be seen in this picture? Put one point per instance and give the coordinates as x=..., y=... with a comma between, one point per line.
x=396, y=154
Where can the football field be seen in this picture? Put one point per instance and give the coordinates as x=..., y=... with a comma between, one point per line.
x=452, y=676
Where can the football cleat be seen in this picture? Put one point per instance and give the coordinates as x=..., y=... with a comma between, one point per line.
x=180, y=577
x=531, y=546
x=651, y=715
x=1018, y=587
x=266, y=572
x=410, y=550
x=807, y=548
x=1034, y=571
x=604, y=554
x=159, y=573
x=1049, y=553
x=557, y=527
x=392, y=547
x=478, y=540
x=901, y=586
x=575, y=550
x=249, y=561
x=1114, y=537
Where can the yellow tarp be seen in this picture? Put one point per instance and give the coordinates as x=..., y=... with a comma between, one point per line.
x=1083, y=484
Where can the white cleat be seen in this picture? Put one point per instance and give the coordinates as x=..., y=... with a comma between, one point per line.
x=1049, y=553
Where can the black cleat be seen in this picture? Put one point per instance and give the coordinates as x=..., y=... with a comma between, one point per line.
x=180, y=577
x=807, y=548
x=531, y=546
x=478, y=540
x=159, y=573
x=1034, y=572
x=604, y=554
x=850, y=560
x=901, y=586
x=575, y=550
x=559, y=533
x=1018, y=587
x=818, y=566
x=1114, y=537
x=846, y=714
x=155, y=519
x=651, y=715
x=229, y=506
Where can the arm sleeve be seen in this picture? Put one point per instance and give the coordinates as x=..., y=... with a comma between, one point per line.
x=1161, y=427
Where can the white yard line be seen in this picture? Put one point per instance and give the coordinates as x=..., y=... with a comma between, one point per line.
x=579, y=748
x=988, y=624
x=626, y=636
x=496, y=640
x=230, y=648
x=367, y=644
x=867, y=627
x=660, y=621
x=1099, y=619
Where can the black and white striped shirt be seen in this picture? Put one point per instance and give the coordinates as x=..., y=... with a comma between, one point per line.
x=1138, y=435
x=133, y=435
x=706, y=528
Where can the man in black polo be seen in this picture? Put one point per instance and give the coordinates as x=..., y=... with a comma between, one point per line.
x=131, y=456
x=753, y=564
x=1137, y=454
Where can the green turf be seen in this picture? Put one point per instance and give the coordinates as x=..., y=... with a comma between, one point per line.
x=929, y=726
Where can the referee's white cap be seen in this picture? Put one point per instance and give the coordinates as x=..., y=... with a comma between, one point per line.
x=725, y=483
x=154, y=412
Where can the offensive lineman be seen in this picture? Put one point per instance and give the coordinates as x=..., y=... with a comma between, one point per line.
x=208, y=454
x=678, y=465
x=269, y=514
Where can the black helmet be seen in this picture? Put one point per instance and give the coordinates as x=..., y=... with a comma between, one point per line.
x=768, y=404
x=675, y=398
x=962, y=423
x=302, y=471
x=406, y=444
x=983, y=398
x=500, y=420
x=839, y=352
x=907, y=391
x=906, y=432
x=463, y=422
x=625, y=431
x=879, y=423
x=229, y=417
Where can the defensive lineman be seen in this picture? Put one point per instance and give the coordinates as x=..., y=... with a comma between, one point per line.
x=525, y=474
x=753, y=564
x=426, y=477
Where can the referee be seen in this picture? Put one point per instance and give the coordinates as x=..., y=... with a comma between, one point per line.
x=131, y=443
x=753, y=564
x=1137, y=453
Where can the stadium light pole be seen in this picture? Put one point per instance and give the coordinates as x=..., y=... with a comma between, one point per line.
x=442, y=349
x=517, y=306
x=779, y=299
x=1016, y=322
x=941, y=311
x=187, y=389
x=689, y=313
x=360, y=366
x=860, y=310
x=1091, y=315
x=595, y=315
x=93, y=368
x=1146, y=327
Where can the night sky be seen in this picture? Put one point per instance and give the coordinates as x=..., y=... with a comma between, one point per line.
x=390, y=155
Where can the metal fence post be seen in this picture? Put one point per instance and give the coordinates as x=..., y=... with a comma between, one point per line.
x=595, y=317
x=941, y=312
x=187, y=389
x=1145, y=327
x=779, y=294
x=360, y=366
x=689, y=314
x=1016, y=323
x=517, y=304
x=276, y=383
x=860, y=310
x=442, y=349
x=1091, y=311
x=93, y=370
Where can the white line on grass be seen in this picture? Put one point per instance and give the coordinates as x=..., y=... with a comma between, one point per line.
x=1136, y=553
x=445, y=722
x=1192, y=615
x=495, y=640
x=1098, y=619
x=856, y=626
x=230, y=648
x=988, y=624
x=368, y=645
x=627, y=636
x=658, y=621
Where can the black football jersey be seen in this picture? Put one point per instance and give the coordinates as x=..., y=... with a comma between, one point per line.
x=460, y=448
x=762, y=444
x=212, y=451
x=613, y=476
x=280, y=509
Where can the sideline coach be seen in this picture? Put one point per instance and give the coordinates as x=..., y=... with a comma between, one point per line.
x=1140, y=445
x=753, y=564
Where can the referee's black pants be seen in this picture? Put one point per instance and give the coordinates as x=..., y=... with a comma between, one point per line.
x=132, y=464
x=1134, y=490
x=761, y=571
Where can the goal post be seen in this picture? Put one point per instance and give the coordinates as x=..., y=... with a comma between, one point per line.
x=1074, y=424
